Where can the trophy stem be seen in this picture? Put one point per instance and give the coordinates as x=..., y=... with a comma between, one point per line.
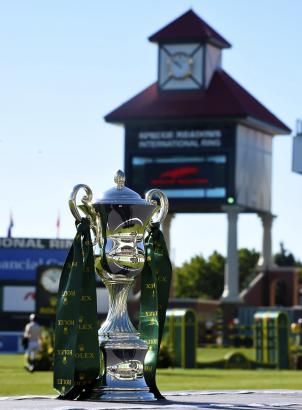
x=122, y=376
x=117, y=323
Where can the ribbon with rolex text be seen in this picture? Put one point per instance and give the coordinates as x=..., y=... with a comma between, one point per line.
x=155, y=287
x=76, y=352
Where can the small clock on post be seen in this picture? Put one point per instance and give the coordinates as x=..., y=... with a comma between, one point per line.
x=47, y=286
x=50, y=279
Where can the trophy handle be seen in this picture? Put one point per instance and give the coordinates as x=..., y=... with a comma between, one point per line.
x=87, y=209
x=159, y=216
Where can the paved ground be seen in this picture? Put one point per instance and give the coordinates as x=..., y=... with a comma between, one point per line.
x=215, y=400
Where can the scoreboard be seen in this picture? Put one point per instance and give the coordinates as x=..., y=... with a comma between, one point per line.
x=200, y=176
x=194, y=166
x=201, y=167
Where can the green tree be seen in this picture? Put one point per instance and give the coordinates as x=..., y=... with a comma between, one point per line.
x=284, y=258
x=200, y=278
x=215, y=282
x=204, y=278
x=188, y=278
x=247, y=266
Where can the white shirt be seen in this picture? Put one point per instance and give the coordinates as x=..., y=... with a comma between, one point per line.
x=32, y=331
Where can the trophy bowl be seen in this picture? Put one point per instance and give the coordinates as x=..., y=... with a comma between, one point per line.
x=119, y=220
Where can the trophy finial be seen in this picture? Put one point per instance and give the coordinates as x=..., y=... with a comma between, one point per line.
x=120, y=179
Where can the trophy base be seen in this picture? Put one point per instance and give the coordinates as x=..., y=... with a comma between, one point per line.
x=101, y=393
x=122, y=377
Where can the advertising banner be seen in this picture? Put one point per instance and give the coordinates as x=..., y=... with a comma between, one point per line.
x=10, y=342
x=19, y=299
x=20, y=257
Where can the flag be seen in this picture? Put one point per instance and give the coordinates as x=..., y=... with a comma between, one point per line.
x=58, y=225
x=10, y=226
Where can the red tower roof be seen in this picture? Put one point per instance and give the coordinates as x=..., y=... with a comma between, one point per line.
x=224, y=99
x=189, y=27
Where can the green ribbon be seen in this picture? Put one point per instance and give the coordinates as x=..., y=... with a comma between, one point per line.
x=76, y=353
x=155, y=287
x=77, y=357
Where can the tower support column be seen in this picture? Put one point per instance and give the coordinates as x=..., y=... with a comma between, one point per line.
x=231, y=271
x=266, y=257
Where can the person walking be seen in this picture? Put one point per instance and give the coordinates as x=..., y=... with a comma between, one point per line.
x=32, y=333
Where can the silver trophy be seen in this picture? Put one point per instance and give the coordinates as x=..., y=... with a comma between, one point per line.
x=119, y=221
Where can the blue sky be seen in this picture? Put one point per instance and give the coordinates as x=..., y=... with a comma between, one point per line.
x=66, y=64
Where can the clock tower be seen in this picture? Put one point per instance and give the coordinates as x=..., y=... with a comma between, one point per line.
x=189, y=53
x=200, y=137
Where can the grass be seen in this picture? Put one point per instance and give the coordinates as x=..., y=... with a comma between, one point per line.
x=14, y=380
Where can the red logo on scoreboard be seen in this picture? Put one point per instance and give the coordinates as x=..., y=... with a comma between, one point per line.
x=30, y=295
x=179, y=172
x=185, y=175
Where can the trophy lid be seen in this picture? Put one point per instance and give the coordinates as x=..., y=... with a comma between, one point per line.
x=120, y=194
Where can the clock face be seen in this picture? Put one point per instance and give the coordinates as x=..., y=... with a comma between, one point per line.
x=50, y=279
x=180, y=65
